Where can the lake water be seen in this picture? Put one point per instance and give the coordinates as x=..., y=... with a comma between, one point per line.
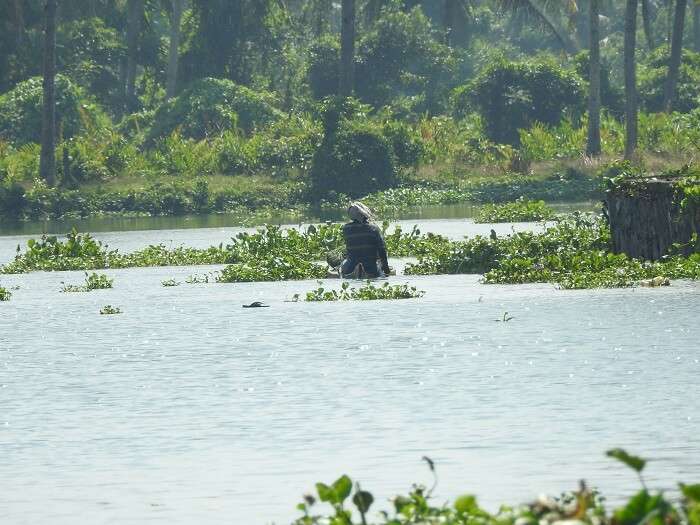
x=189, y=409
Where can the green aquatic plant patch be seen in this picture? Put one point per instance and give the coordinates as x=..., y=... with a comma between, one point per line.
x=93, y=281
x=5, y=294
x=574, y=253
x=521, y=210
x=168, y=283
x=110, y=310
x=367, y=292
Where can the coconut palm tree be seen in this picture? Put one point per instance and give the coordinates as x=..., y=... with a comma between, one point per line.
x=630, y=78
x=135, y=10
x=47, y=160
x=176, y=9
x=593, y=143
x=347, y=49
x=674, y=63
x=547, y=13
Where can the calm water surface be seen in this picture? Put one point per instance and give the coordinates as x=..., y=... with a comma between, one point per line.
x=189, y=409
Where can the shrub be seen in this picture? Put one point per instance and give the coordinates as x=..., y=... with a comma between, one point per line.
x=402, y=55
x=211, y=106
x=511, y=96
x=354, y=160
x=92, y=57
x=5, y=294
x=652, y=81
x=406, y=143
x=12, y=201
x=324, y=67
x=20, y=111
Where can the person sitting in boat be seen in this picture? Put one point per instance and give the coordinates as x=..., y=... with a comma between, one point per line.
x=364, y=244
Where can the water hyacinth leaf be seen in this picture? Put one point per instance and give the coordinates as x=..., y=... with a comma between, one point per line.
x=691, y=492
x=642, y=508
x=400, y=503
x=467, y=504
x=325, y=493
x=342, y=488
x=363, y=500
x=634, y=462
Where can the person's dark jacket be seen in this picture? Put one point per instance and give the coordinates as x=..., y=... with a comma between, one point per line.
x=365, y=244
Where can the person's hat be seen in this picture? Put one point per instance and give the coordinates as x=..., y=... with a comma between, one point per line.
x=359, y=212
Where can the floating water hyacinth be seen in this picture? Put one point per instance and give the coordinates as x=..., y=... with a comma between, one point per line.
x=110, y=310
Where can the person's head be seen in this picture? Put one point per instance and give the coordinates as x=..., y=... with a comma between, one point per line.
x=359, y=212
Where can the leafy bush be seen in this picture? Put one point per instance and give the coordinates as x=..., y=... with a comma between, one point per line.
x=517, y=211
x=511, y=96
x=652, y=80
x=324, y=67
x=93, y=57
x=368, y=292
x=12, y=201
x=20, y=111
x=5, y=294
x=402, y=55
x=211, y=106
x=354, y=161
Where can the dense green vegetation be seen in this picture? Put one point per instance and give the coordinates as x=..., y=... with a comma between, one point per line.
x=350, y=504
x=5, y=294
x=576, y=252
x=454, y=102
x=516, y=211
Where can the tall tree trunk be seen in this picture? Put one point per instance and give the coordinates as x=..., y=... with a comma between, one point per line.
x=173, y=49
x=696, y=27
x=322, y=16
x=133, y=31
x=593, y=144
x=630, y=78
x=347, y=49
x=448, y=18
x=19, y=21
x=47, y=160
x=674, y=63
x=648, y=29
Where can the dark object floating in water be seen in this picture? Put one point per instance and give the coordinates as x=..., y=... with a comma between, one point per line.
x=505, y=319
x=256, y=304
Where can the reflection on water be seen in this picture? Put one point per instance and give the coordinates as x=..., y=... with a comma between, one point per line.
x=108, y=224
x=189, y=409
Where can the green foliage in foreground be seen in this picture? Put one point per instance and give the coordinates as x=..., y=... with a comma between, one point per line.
x=582, y=507
x=5, y=294
x=517, y=211
x=368, y=292
x=93, y=281
x=575, y=253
